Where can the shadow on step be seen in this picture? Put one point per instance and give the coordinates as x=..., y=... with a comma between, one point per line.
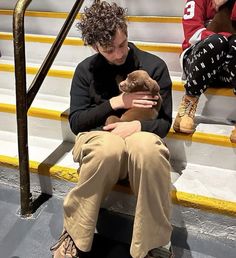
x=52, y=160
x=115, y=234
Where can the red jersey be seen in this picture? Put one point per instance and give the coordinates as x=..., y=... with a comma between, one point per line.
x=197, y=14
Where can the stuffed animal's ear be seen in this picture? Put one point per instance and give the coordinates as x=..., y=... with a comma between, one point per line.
x=152, y=86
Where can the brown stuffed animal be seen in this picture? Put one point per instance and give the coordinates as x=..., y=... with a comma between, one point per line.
x=138, y=80
x=222, y=20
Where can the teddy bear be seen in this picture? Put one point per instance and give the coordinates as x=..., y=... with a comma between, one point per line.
x=138, y=80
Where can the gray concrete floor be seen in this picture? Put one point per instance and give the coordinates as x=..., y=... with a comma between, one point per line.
x=32, y=238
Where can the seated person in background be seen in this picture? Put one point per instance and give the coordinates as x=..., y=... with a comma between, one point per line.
x=107, y=154
x=208, y=58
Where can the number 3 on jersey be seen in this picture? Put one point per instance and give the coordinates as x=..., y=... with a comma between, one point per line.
x=189, y=10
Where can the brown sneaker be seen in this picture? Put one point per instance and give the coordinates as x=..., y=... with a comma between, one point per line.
x=65, y=247
x=184, y=121
x=160, y=252
x=233, y=135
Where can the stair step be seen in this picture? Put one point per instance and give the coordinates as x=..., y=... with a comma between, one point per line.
x=48, y=157
x=195, y=180
x=208, y=132
x=202, y=154
x=140, y=28
x=46, y=101
x=60, y=77
x=203, y=148
x=190, y=189
x=43, y=123
x=209, y=139
x=135, y=7
x=67, y=57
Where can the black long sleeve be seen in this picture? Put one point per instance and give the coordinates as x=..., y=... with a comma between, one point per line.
x=94, y=84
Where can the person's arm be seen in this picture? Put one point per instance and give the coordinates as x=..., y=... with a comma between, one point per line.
x=196, y=14
x=194, y=19
x=218, y=3
x=85, y=115
x=162, y=124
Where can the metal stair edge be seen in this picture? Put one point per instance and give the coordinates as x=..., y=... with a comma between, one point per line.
x=178, y=197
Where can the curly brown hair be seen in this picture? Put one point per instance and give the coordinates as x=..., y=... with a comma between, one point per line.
x=100, y=22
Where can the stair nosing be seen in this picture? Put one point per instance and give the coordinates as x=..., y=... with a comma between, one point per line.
x=199, y=137
x=177, y=85
x=76, y=41
x=130, y=18
x=178, y=197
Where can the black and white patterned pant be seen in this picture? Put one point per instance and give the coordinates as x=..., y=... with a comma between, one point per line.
x=210, y=62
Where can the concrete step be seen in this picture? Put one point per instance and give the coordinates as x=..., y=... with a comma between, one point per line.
x=210, y=140
x=190, y=183
x=135, y=7
x=203, y=164
x=49, y=111
x=202, y=154
x=56, y=87
x=67, y=56
x=140, y=28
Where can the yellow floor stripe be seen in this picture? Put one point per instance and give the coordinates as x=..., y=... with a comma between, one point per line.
x=205, y=203
x=206, y=138
x=171, y=48
x=157, y=19
x=48, y=114
x=198, y=137
x=177, y=85
x=227, y=92
x=43, y=39
x=34, y=70
x=181, y=198
x=44, y=169
x=8, y=108
x=59, y=15
x=36, y=112
x=6, y=12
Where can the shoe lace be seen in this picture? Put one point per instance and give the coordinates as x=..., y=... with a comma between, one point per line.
x=188, y=107
x=68, y=245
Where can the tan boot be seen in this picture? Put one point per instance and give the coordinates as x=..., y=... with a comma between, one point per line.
x=184, y=121
x=233, y=135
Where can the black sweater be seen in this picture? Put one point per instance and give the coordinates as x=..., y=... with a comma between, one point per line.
x=94, y=84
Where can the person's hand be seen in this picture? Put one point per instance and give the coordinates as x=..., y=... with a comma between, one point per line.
x=218, y=3
x=124, y=129
x=136, y=99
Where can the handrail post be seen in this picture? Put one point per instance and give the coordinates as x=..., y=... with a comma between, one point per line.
x=25, y=98
x=21, y=105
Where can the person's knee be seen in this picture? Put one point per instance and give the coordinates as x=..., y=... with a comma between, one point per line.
x=103, y=154
x=217, y=39
x=108, y=147
x=147, y=146
x=216, y=43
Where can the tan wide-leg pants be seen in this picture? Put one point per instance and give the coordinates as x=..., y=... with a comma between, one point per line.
x=106, y=158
